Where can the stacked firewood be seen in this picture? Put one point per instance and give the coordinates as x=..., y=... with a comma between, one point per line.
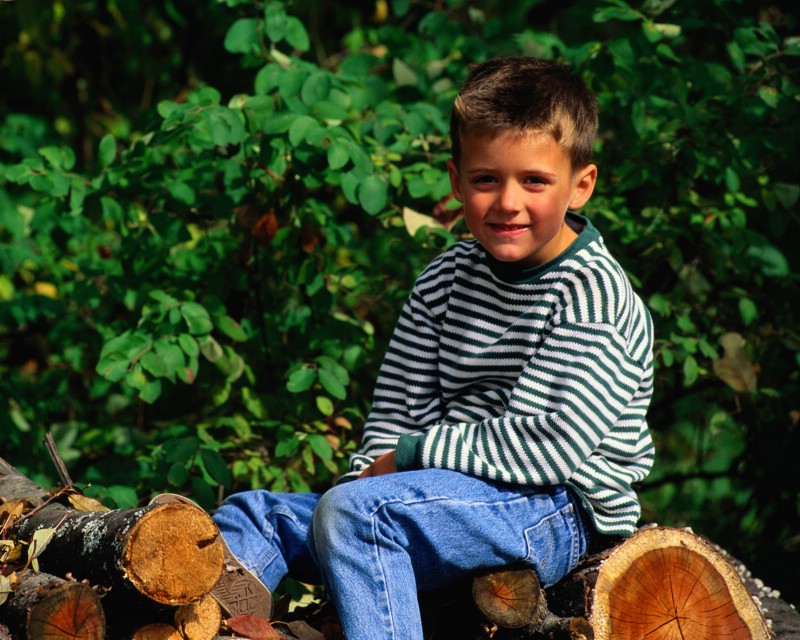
x=72, y=569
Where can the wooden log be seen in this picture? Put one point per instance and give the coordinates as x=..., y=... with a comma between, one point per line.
x=157, y=631
x=661, y=583
x=512, y=598
x=199, y=620
x=45, y=606
x=169, y=553
x=14, y=486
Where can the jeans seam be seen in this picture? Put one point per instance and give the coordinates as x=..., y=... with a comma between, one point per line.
x=379, y=563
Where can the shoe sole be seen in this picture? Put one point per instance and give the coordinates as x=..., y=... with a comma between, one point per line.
x=238, y=591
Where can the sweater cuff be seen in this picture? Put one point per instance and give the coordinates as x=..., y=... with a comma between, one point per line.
x=408, y=453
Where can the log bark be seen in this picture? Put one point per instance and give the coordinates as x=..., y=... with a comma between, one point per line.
x=45, y=606
x=14, y=486
x=169, y=553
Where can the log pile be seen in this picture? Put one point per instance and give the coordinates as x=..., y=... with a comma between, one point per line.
x=71, y=569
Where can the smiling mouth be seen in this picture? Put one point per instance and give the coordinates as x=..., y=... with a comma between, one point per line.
x=509, y=227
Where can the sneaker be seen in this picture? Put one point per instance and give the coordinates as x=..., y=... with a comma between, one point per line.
x=238, y=591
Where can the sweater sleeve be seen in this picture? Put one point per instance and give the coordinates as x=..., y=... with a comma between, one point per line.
x=567, y=412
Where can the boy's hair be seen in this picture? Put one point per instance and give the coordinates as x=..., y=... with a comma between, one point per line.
x=526, y=95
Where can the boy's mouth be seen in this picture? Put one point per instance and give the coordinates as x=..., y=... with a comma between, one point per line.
x=508, y=228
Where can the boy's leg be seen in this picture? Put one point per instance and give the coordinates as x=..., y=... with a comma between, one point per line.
x=268, y=533
x=378, y=540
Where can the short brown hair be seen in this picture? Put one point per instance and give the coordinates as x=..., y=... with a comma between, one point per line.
x=526, y=95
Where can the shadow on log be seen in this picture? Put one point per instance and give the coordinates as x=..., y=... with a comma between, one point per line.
x=45, y=606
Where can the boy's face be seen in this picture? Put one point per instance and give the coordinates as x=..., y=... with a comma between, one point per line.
x=516, y=191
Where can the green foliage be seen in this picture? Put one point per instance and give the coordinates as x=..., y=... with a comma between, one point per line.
x=197, y=282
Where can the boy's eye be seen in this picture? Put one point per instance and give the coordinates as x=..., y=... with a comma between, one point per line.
x=483, y=179
x=535, y=180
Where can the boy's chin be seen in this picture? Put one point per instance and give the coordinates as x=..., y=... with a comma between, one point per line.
x=512, y=258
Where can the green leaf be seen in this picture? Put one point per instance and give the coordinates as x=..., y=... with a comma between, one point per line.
x=150, y=392
x=180, y=449
x=172, y=356
x=732, y=180
x=275, y=19
x=59, y=157
x=189, y=373
x=324, y=405
x=320, y=446
x=154, y=363
x=331, y=384
x=301, y=379
x=216, y=467
x=748, y=311
x=177, y=475
x=296, y=34
x=231, y=328
x=774, y=261
x=197, y=318
x=108, y=150
x=769, y=95
x=189, y=344
x=691, y=371
x=210, y=348
x=403, y=74
x=338, y=155
x=225, y=126
x=787, y=194
x=373, y=194
x=124, y=497
x=242, y=37
x=316, y=88
x=278, y=123
x=335, y=368
x=300, y=128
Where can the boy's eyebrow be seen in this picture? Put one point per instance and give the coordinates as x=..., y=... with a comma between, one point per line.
x=539, y=172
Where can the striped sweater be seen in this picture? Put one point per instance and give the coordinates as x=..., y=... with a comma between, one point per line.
x=539, y=376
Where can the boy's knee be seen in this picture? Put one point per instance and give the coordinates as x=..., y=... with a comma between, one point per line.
x=335, y=509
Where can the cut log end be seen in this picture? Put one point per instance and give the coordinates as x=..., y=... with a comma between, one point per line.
x=49, y=607
x=199, y=620
x=163, y=544
x=668, y=583
x=510, y=598
x=157, y=631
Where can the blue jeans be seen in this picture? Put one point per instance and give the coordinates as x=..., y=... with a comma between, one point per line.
x=374, y=542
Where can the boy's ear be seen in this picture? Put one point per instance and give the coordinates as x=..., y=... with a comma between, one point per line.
x=585, y=179
x=455, y=183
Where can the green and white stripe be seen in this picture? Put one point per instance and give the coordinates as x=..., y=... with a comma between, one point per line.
x=533, y=377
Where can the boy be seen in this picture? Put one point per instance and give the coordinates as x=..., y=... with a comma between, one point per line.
x=508, y=421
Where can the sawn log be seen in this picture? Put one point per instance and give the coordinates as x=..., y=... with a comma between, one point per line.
x=169, y=553
x=662, y=583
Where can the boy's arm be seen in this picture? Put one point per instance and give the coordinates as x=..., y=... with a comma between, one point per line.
x=578, y=407
x=382, y=466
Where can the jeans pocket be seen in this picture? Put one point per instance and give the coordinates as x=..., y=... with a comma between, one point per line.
x=553, y=545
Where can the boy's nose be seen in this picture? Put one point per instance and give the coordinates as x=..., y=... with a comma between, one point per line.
x=510, y=198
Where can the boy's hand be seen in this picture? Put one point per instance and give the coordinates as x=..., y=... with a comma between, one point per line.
x=381, y=466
